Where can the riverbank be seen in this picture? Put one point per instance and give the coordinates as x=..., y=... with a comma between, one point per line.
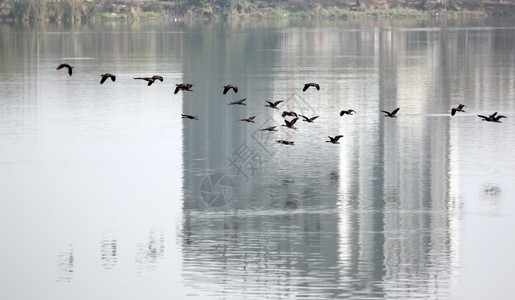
x=73, y=11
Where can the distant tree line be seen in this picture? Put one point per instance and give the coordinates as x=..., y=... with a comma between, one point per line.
x=91, y=10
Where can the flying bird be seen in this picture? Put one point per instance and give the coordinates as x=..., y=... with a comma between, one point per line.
x=238, y=102
x=485, y=118
x=151, y=80
x=335, y=139
x=391, y=114
x=492, y=118
x=271, y=128
x=228, y=87
x=189, y=117
x=107, y=75
x=273, y=104
x=290, y=124
x=307, y=85
x=59, y=67
x=309, y=120
x=249, y=119
x=455, y=109
x=285, y=142
x=183, y=87
x=289, y=113
x=347, y=112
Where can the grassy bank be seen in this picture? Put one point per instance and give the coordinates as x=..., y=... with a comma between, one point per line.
x=80, y=11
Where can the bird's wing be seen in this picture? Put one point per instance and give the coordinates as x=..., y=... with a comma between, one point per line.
x=277, y=102
x=453, y=111
x=314, y=118
x=306, y=86
x=395, y=111
x=226, y=89
x=293, y=121
x=176, y=90
x=104, y=78
x=318, y=87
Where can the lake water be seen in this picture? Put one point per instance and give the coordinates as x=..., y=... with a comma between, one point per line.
x=107, y=193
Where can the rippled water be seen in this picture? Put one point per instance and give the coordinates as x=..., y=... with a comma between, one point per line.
x=105, y=192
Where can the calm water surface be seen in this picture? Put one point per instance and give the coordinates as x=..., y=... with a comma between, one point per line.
x=106, y=193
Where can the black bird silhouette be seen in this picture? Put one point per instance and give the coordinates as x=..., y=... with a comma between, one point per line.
x=335, y=139
x=151, y=80
x=455, y=109
x=309, y=120
x=189, y=117
x=238, y=102
x=289, y=113
x=183, y=87
x=271, y=128
x=285, y=142
x=391, y=114
x=307, y=85
x=347, y=112
x=290, y=124
x=485, y=118
x=59, y=67
x=492, y=118
x=107, y=75
x=228, y=87
x=249, y=119
x=273, y=104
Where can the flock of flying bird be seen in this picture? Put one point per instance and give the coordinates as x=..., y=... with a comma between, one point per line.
x=274, y=105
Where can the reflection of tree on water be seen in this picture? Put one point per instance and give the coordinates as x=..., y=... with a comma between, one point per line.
x=108, y=253
x=65, y=264
x=150, y=253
